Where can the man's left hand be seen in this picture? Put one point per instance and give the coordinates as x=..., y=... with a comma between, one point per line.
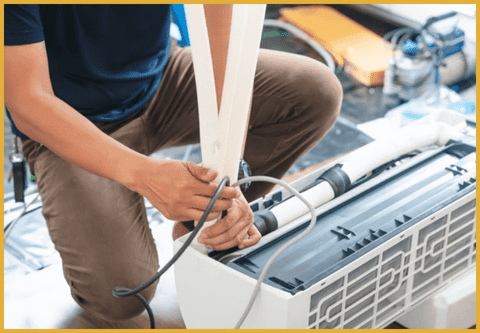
x=231, y=230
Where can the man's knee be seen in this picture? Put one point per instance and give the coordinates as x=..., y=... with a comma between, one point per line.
x=128, y=307
x=319, y=91
x=101, y=303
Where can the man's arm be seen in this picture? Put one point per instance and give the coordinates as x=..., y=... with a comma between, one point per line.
x=48, y=120
x=179, y=190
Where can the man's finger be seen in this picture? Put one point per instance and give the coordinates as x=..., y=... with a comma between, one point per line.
x=203, y=174
x=224, y=225
x=237, y=232
x=230, y=193
x=254, y=237
x=231, y=243
x=196, y=214
x=208, y=190
x=214, y=230
x=201, y=203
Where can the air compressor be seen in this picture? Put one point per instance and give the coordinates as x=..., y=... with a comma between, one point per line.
x=425, y=58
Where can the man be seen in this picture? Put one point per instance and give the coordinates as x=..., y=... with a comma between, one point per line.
x=93, y=90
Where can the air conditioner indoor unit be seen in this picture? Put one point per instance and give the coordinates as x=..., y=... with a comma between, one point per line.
x=383, y=247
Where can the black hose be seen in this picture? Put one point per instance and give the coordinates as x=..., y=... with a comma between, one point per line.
x=120, y=292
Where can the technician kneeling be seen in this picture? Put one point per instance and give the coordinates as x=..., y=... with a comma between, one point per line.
x=93, y=90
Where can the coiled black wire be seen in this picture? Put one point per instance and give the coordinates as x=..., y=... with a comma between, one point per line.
x=121, y=292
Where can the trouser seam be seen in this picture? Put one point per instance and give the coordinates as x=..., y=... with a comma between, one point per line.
x=147, y=134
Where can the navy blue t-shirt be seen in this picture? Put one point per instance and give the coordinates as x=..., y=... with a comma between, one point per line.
x=105, y=61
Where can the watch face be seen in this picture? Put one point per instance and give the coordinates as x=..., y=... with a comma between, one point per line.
x=243, y=172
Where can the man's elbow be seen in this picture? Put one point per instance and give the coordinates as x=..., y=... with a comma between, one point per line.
x=24, y=109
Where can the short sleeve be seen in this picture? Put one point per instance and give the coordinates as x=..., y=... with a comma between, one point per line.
x=23, y=24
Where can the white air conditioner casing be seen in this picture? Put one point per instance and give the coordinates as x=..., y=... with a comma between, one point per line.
x=419, y=258
x=453, y=307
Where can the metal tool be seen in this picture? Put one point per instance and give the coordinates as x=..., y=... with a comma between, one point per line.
x=19, y=171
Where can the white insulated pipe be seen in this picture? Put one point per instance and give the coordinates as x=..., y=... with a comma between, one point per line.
x=365, y=159
x=205, y=83
x=222, y=134
x=292, y=209
x=243, y=50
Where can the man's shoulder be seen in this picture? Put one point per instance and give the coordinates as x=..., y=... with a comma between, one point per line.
x=22, y=24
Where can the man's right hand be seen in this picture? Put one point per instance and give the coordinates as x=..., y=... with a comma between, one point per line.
x=181, y=190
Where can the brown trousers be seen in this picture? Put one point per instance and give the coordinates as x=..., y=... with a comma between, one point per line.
x=100, y=227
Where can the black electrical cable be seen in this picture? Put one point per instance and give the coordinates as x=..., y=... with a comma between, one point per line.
x=120, y=292
x=380, y=169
